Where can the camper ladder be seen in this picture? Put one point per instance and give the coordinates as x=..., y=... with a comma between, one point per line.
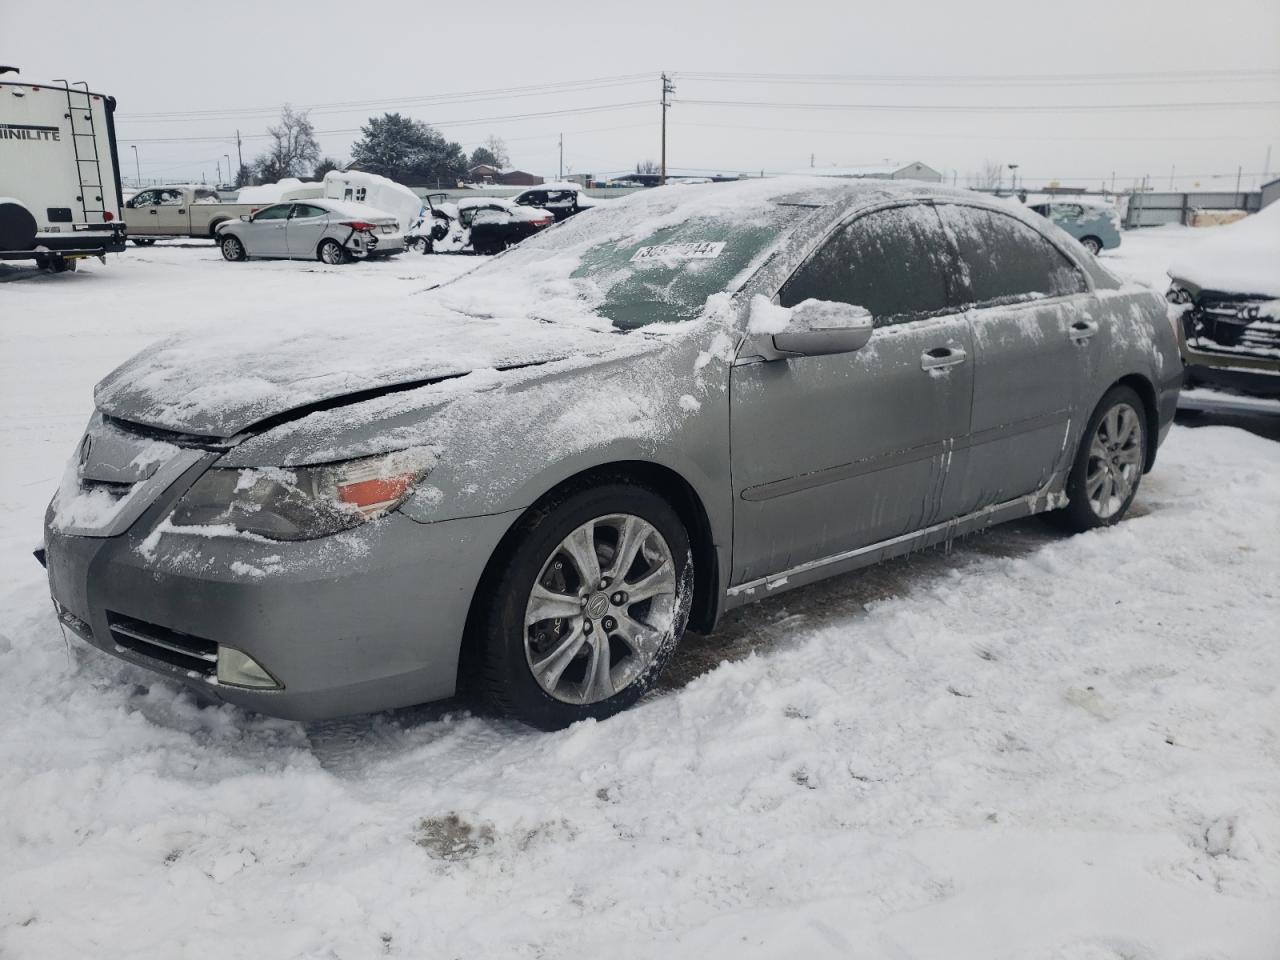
x=85, y=144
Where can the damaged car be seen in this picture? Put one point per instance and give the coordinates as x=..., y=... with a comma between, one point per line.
x=1228, y=292
x=529, y=482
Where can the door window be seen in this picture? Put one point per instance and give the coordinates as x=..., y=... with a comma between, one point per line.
x=147, y=198
x=171, y=198
x=279, y=212
x=1002, y=260
x=893, y=262
x=307, y=210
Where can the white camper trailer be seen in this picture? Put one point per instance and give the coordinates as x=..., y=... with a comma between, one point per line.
x=59, y=173
x=355, y=186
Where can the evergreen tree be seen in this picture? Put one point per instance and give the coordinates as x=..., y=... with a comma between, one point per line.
x=408, y=151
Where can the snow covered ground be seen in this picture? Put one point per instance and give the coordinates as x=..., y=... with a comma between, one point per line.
x=1035, y=747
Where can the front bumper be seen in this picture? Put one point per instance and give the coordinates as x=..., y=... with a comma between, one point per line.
x=366, y=620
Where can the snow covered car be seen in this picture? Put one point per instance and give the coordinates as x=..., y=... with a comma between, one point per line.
x=529, y=481
x=561, y=198
x=1229, y=289
x=496, y=223
x=1097, y=227
x=331, y=231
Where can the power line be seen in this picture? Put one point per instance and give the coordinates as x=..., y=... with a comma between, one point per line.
x=565, y=86
x=990, y=79
x=442, y=123
x=984, y=108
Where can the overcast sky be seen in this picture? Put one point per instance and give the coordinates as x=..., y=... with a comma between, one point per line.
x=237, y=62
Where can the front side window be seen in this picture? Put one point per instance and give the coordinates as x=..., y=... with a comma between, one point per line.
x=278, y=212
x=147, y=198
x=892, y=262
x=1002, y=260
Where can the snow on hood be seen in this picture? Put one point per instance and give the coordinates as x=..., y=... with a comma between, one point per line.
x=532, y=305
x=1243, y=257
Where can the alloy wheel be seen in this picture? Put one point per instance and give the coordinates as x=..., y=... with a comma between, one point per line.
x=331, y=253
x=1116, y=455
x=600, y=608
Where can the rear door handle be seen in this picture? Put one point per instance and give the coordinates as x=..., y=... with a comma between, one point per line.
x=1082, y=330
x=940, y=357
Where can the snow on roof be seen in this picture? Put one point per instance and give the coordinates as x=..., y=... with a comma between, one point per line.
x=1242, y=257
x=290, y=188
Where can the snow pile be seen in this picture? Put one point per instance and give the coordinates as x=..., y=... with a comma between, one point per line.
x=1243, y=257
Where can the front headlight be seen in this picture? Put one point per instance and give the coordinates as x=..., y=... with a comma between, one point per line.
x=301, y=503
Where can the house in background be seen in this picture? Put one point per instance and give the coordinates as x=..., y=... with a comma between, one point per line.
x=877, y=171
x=483, y=173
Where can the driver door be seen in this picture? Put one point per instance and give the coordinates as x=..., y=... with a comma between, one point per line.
x=143, y=219
x=267, y=235
x=833, y=453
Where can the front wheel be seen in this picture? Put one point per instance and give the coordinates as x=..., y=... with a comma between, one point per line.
x=588, y=608
x=1092, y=244
x=1108, y=467
x=331, y=252
x=232, y=249
x=142, y=241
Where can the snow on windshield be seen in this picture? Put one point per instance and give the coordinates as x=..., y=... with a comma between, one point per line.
x=631, y=261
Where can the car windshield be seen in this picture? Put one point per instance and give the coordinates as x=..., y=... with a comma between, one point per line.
x=656, y=257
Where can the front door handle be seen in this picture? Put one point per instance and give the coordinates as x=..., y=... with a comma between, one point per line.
x=1082, y=330
x=941, y=357
x=155, y=213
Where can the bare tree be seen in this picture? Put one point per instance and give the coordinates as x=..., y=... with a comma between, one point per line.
x=293, y=152
x=497, y=148
x=646, y=166
x=989, y=177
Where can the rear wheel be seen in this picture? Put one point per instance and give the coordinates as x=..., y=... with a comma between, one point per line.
x=232, y=249
x=588, y=608
x=421, y=245
x=1108, y=467
x=142, y=241
x=331, y=252
x=1092, y=244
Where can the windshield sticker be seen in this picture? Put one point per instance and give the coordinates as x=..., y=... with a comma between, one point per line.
x=706, y=250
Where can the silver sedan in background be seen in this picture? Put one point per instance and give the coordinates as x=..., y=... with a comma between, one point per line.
x=330, y=231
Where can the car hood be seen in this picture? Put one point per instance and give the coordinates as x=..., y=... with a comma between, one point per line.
x=261, y=371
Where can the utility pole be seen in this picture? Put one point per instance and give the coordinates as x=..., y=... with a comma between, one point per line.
x=239, y=155
x=1239, y=170
x=561, y=177
x=668, y=88
x=218, y=166
x=811, y=156
x=137, y=166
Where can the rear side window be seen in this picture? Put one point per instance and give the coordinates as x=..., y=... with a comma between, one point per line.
x=892, y=262
x=307, y=210
x=1002, y=260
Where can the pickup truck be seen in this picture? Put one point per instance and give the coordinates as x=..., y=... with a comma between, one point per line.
x=179, y=211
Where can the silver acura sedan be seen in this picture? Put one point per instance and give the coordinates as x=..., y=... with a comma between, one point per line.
x=527, y=483
x=332, y=231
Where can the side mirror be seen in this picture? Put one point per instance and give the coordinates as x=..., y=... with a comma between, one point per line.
x=821, y=327
x=245, y=217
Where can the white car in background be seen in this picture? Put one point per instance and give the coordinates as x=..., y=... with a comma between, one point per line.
x=331, y=231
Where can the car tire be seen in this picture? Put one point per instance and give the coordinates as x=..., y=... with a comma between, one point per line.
x=1092, y=244
x=422, y=245
x=142, y=241
x=232, y=249
x=1108, y=467
x=330, y=251
x=599, y=649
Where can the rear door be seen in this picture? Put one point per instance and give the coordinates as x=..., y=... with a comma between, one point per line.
x=306, y=225
x=834, y=453
x=1033, y=334
x=267, y=233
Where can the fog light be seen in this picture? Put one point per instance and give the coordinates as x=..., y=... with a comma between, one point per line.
x=241, y=670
